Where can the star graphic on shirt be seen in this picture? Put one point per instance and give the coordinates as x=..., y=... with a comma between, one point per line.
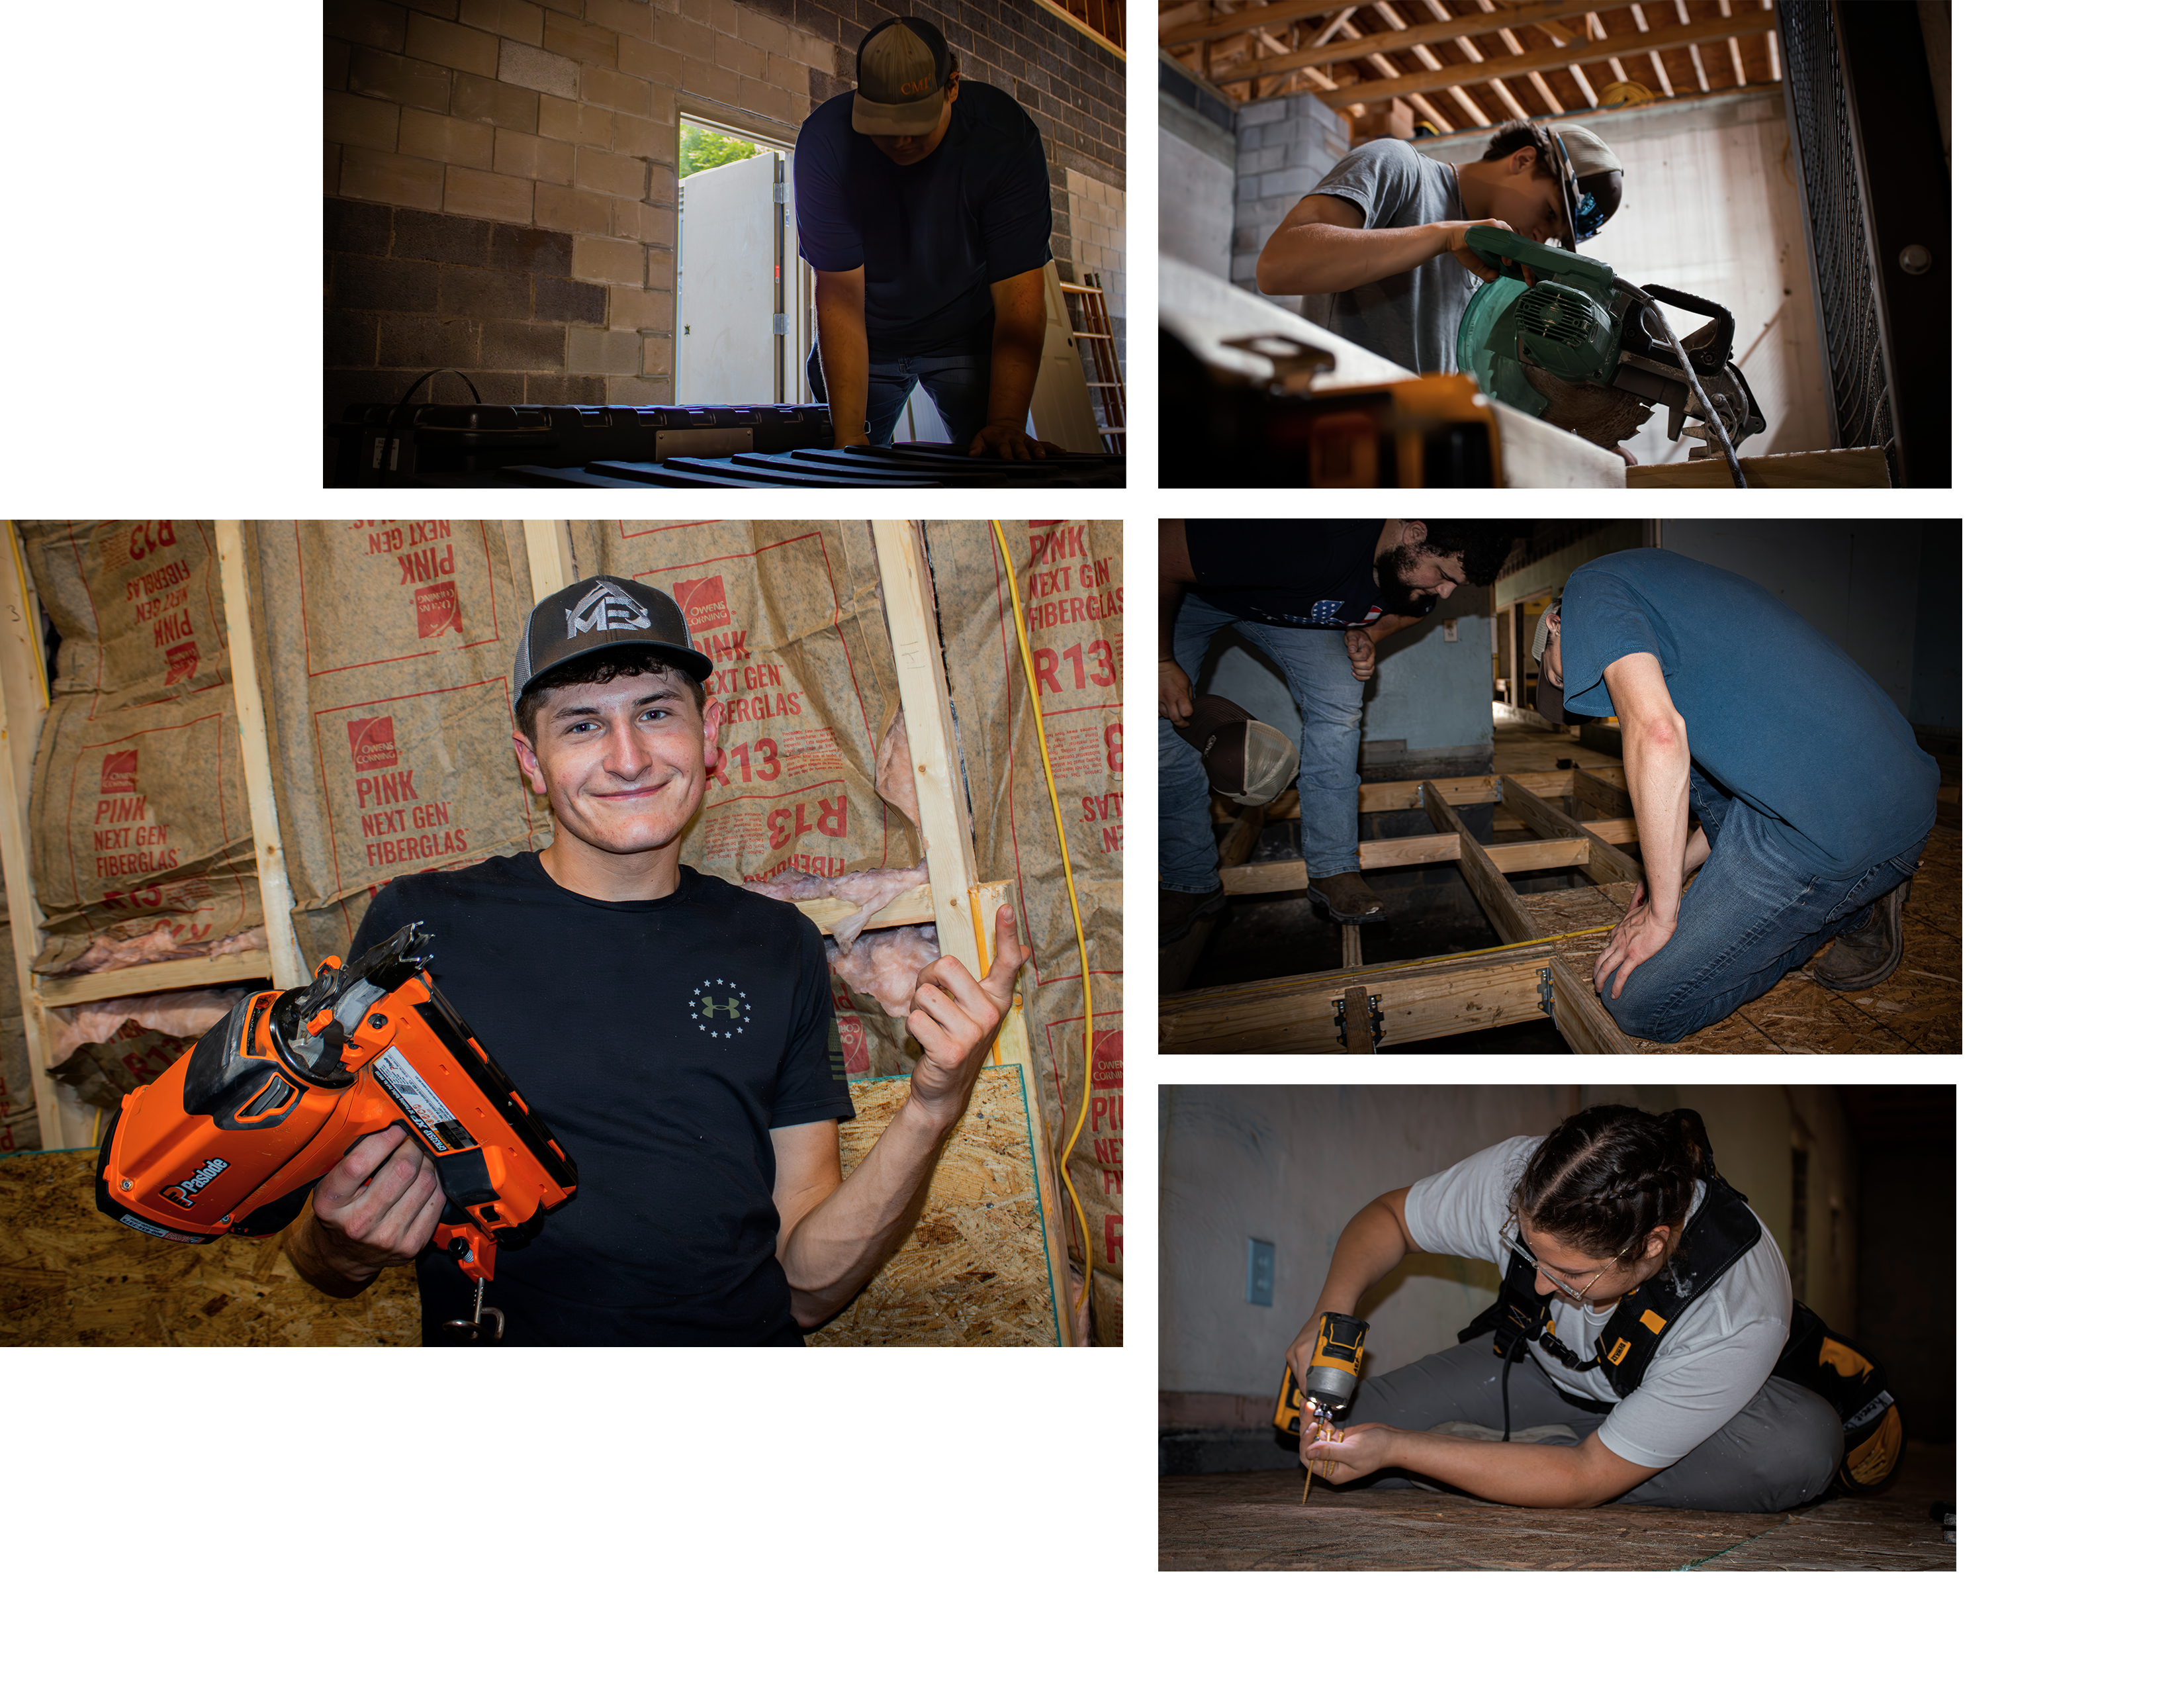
x=718, y=1008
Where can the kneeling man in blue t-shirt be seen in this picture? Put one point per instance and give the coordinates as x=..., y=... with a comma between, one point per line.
x=1812, y=798
x=921, y=201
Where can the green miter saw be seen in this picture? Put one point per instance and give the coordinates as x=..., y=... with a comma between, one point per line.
x=1580, y=325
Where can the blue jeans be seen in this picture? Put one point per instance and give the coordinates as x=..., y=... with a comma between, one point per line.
x=1332, y=701
x=956, y=386
x=1755, y=912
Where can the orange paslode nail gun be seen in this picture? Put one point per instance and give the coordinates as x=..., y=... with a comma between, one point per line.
x=232, y=1140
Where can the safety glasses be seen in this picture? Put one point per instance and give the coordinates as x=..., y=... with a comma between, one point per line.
x=1514, y=1243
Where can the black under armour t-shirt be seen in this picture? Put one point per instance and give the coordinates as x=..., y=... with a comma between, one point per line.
x=1296, y=574
x=662, y=1042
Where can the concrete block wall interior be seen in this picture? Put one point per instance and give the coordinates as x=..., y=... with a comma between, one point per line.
x=1855, y=1184
x=501, y=182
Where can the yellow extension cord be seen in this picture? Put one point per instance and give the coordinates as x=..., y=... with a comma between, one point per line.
x=1076, y=914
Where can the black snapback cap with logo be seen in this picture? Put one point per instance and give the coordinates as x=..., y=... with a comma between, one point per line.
x=593, y=615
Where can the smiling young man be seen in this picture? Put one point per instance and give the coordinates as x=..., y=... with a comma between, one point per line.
x=1378, y=248
x=676, y=1032
x=923, y=206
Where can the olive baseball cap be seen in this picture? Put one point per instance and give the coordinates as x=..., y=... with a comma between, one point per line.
x=1550, y=694
x=1245, y=759
x=582, y=620
x=902, y=79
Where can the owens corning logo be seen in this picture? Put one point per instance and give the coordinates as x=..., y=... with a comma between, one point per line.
x=606, y=608
x=181, y=661
x=703, y=603
x=439, y=610
x=118, y=772
x=185, y=1194
x=719, y=1008
x=371, y=743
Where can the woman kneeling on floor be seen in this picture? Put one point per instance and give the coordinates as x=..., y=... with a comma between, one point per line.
x=1672, y=1368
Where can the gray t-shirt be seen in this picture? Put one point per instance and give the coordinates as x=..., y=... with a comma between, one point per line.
x=1714, y=1360
x=1410, y=317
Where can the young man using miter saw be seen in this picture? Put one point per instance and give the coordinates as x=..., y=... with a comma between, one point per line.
x=1812, y=796
x=1378, y=247
x=676, y=1033
x=1318, y=598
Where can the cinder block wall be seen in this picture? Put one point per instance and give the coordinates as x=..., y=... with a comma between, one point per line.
x=1284, y=147
x=500, y=174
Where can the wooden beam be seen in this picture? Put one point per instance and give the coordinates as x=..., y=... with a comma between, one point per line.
x=1504, y=912
x=1244, y=19
x=1435, y=998
x=1579, y=1014
x=1508, y=829
x=1588, y=786
x=1258, y=877
x=23, y=700
x=1353, y=944
x=552, y=562
x=1242, y=838
x=1604, y=862
x=285, y=955
x=1550, y=58
x=1423, y=35
x=1357, y=1020
x=199, y=974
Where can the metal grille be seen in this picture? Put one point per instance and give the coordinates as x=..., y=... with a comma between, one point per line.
x=1842, y=265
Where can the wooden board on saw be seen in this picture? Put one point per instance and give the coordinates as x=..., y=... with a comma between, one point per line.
x=974, y=1272
x=1918, y=1010
x=1253, y=1521
x=1856, y=466
x=70, y=1275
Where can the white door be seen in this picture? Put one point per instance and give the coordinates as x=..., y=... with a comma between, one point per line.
x=724, y=350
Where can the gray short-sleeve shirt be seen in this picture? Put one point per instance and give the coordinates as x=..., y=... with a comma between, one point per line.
x=1409, y=317
x=1714, y=1360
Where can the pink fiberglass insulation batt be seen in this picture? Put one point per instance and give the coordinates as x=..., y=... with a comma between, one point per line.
x=106, y=953
x=870, y=891
x=885, y=965
x=896, y=779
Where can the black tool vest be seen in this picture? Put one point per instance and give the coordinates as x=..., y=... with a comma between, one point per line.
x=1721, y=1233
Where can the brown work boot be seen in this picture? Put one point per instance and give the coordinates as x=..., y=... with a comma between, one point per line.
x=1343, y=896
x=1861, y=959
x=1180, y=910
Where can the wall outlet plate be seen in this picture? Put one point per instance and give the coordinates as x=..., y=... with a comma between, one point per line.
x=1259, y=1283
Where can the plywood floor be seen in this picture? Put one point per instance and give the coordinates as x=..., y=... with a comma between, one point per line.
x=1253, y=1521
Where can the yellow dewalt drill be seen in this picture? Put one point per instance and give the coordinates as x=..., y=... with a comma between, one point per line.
x=1330, y=1379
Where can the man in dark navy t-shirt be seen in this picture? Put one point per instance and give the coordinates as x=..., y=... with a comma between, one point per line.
x=676, y=1031
x=1811, y=796
x=1318, y=598
x=923, y=203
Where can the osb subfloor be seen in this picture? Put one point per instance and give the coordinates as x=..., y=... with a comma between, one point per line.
x=1254, y=1521
x=1918, y=1010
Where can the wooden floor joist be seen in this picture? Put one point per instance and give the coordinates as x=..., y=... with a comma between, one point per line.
x=1259, y=877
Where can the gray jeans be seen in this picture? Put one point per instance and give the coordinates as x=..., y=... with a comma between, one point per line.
x=1778, y=1452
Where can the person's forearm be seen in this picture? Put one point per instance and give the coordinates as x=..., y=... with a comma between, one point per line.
x=1515, y=1474
x=1658, y=759
x=1371, y=1246
x=304, y=1243
x=1019, y=339
x=836, y=1247
x=1388, y=626
x=844, y=357
x=1327, y=257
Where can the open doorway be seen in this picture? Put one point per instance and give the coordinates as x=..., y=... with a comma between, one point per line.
x=743, y=298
